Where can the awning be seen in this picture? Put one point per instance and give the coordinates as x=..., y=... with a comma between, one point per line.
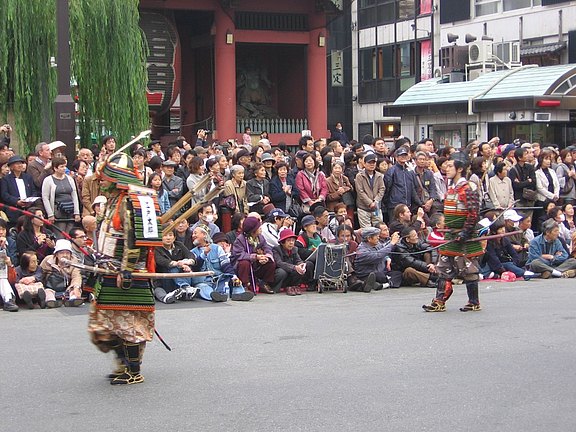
x=536, y=50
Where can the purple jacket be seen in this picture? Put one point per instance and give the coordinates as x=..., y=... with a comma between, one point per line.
x=243, y=251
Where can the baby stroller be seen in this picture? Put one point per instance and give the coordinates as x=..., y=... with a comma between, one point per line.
x=330, y=268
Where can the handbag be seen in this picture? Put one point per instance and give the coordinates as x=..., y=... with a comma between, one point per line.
x=348, y=199
x=66, y=207
x=529, y=194
x=229, y=202
x=296, y=209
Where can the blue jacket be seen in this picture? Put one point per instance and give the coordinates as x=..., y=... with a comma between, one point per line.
x=371, y=259
x=278, y=196
x=400, y=187
x=539, y=247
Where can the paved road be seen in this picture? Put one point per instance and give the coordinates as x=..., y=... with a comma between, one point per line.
x=330, y=362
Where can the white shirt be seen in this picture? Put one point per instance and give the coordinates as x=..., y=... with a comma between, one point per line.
x=21, y=188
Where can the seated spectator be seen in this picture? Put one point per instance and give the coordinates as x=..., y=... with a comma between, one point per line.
x=291, y=271
x=6, y=266
x=183, y=234
x=547, y=256
x=29, y=284
x=173, y=257
x=34, y=236
x=309, y=239
x=237, y=221
x=90, y=226
x=403, y=219
x=322, y=224
x=221, y=240
x=212, y=257
x=252, y=257
x=435, y=235
x=62, y=282
x=372, y=263
x=340, y=217
x=500, y=256
x=413, y=260
x=276, y=221
x=565, y=236
x=206, y=216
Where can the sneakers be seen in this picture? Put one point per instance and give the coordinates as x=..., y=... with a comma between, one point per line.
x=470, y=307
x=191, y=292
x=569, y=273
x=435, y=306
x=528, y=274
x=245, y=296
x=370, y=283
x=10, y=306
x=128, y=378
x=218, y=297
x=172, y=296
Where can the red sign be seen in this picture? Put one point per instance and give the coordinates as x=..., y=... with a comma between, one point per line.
x=425, y=7
x=425, y=60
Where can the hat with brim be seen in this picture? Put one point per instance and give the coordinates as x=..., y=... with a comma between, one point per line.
x=62, y=245
x=277, y=212
x=267, y=157
x=56, y=144
x=100, y=199
x=370, y=157
x=369, y=232
x=169, y=163
x=512, y=215
x=15, y=159
x=152, y=143
x=251, y=224
x=308, y=220
x=242, y=153
x=402, y=151
x=286, y=234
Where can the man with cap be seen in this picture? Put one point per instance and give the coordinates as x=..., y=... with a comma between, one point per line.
x=172, y=183
x=155, y=149
x=371, y=264
x=268, y=162
x=56, y=148
x=201, y=152
x=458, y=258
x=252, y=257
x=273, y=226
x=16, y=188
x=370, y=190
x=291, y=271
x=400, y=183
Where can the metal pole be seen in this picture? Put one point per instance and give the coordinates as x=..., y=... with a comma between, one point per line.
x=64, y=107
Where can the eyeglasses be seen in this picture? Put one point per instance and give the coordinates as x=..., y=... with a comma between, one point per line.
x=81, y=236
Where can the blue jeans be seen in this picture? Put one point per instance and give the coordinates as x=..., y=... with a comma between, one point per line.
x=510, y=266
x=207, y=287
x=171, y=284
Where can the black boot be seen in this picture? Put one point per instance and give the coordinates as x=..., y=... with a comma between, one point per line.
x=27, y=298
x=118, y=349
x=473, y=301
x=133, y=354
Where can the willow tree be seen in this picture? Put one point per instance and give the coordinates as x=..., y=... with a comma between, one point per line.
x=108, y=51
x=27, y=82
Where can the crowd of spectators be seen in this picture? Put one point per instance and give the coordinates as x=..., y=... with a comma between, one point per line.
x=273, y=208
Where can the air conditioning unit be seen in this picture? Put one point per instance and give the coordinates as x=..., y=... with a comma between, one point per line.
x=453, y=58
x=542, y=117
x=508, y=52
x=480, y=52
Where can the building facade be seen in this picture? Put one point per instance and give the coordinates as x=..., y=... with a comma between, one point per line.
x=224, y=65
x=473, y=38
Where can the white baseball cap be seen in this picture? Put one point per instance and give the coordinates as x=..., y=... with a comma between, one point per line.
x=512, y=215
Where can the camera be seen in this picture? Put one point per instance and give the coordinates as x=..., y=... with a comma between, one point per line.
x=207, y=131
x=51, y=237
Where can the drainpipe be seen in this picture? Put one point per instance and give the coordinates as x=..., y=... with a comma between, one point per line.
x=483, y=92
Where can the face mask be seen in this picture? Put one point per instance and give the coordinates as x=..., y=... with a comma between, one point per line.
x=562, y=218
x=516, y=224
x=209, y=218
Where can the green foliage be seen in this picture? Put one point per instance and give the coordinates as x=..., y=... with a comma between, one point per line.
x=27, y=82
x=109, y=63
x=108, y=52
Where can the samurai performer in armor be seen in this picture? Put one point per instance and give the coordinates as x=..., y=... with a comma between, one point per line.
x=458, y=258
x=122, y=315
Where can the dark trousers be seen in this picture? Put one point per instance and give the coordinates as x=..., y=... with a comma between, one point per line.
x=264, y=272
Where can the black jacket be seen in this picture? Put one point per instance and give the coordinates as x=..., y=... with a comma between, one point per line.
x=163, y=257
x=405, y=260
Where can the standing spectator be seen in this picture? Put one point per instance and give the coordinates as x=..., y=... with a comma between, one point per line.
x=60, y=197
x=339, y=187
x=566, y=174
x=369, y=193
x=155, y=182
x=425, y=184
x=311, y=182
x=252, y=257
x=258, y=189
x=139, y=157
x=547, y=185
x=400, y=183
x=246, y=138
x=16, y=187
x=172, y=183
x=523, y=176
x=40, y=167
x=155, y=149
x=196, y=168
x=283, y=190
x=338, y=134
x=500, y=188
x=236, y=187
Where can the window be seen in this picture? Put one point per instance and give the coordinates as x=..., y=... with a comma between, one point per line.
x=486, y=7
x=377, y=12
x=406, y=9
